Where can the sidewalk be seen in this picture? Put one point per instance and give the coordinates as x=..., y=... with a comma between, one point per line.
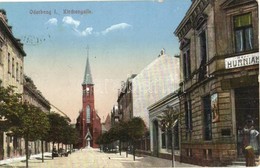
x=23, y=158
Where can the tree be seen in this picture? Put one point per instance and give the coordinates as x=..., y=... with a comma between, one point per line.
x=168, y=121
x=122, y=129
x=70, y=135
x=136, y=130
x=58, y=124
x=33, y=124
x=10, y=105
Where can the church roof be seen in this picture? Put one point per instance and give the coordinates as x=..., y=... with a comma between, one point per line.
x=87, y=76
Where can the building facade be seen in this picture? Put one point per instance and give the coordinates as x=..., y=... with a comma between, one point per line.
x=34, y=97
x=88, y=122
x=219, y=81
x=125, y=100
x=11, y=73
x=161, y=140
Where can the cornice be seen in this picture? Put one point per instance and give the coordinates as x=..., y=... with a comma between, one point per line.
x=191, y=18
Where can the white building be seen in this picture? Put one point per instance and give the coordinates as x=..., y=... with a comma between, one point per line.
x=158, y=79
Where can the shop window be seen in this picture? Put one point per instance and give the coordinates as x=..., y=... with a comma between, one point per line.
x=203, y=55
x=243, y=31
x=186, y=64
x=207, y=118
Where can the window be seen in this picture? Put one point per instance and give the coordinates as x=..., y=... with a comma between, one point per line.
x=243, y=33
x=1, y=54
x=188, y=115
x=17, y=72
x=13, y=67
x=9, y=63
x=186, y=64
x=169, y=139
x=207, y=118
x=203, y=55
x=21, y=74
x=88, y=114
x=163, y=140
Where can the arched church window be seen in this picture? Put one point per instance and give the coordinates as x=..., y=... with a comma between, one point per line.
x=88, y=114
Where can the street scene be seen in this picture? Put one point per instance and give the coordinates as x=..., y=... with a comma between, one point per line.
x=129, y=83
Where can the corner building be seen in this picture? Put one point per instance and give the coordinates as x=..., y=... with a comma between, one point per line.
x=219, y=99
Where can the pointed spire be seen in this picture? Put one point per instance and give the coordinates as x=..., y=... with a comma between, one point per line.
x=87, y=76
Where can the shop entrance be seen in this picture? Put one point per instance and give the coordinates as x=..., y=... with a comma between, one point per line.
x=247, y=119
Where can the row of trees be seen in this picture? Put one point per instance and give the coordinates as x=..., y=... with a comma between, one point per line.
x=23, y=120
x=130, y=131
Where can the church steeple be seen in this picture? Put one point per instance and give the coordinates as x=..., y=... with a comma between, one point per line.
x=87, y=76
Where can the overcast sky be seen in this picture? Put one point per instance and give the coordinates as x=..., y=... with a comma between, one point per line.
x=123, y=37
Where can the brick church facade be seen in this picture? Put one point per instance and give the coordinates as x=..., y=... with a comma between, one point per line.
x=88, y=121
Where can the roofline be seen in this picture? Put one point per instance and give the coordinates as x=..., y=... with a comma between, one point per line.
x=186, y=17
x=61, y=111
x=7, y=30
x=164, y=99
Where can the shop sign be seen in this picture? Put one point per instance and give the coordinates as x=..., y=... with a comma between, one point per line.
x=242, y=60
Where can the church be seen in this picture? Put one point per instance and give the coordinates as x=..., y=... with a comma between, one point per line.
x=88, y=122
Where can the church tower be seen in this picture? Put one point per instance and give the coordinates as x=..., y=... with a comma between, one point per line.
x=90, y=121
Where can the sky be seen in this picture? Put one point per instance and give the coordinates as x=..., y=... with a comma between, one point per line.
x=122, y=36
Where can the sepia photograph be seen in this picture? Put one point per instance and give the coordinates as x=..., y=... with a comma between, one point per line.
x=129, y=83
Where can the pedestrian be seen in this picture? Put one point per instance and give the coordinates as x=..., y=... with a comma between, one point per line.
x=249, y=125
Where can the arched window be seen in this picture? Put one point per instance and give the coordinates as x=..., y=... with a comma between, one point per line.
x=88, y=114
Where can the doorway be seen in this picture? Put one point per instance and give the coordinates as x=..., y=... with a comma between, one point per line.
x=155, y=139
x=247, y=119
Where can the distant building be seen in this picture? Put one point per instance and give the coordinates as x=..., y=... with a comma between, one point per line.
x=124, y=111
x=115, y=116
x=11, y=73
x=219, y=64
x=88, y=122
x=107, y=123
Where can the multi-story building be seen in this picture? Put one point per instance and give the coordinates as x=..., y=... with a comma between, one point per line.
x=34, y=97
x=125, y=100
x=219, y=80
x=11, y=73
